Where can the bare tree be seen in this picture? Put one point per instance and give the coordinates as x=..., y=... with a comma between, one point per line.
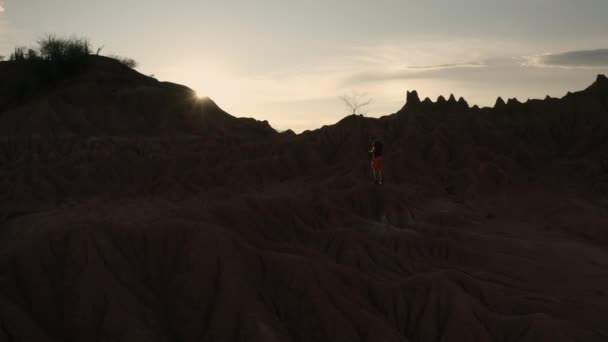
x=356, y=102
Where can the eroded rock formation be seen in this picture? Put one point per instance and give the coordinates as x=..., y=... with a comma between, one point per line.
x=491, y=225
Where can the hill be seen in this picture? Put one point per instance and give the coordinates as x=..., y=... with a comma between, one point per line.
x=106, y=98
x=491, y=224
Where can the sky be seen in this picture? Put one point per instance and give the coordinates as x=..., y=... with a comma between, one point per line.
x=288, y=62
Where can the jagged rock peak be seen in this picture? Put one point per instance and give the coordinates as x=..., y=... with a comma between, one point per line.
x=452, y=98
x=462, y=103
x=412, y=98
x=427, y=101
x=513, y=101
x=499, y=102
x=441, y=99
x=600, y=85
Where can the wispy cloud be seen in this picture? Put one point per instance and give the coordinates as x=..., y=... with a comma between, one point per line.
x=410, y=72
x=425, y=58
x=572, y=59
x=448, y=66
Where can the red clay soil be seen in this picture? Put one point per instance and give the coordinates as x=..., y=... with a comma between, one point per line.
x=491, y=226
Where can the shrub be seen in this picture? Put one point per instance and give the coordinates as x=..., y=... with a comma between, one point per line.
x=52, y=48
x=130, y=62
x=19, y=54
x=32, y=54
x=66, y=54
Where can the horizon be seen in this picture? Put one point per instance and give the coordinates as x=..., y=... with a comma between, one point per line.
x=288, y=62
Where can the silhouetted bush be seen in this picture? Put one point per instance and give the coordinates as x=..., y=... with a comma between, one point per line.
x=32, y=54
x=63, y=54
x=52, y=48
x=19, y=54
x=130, y=62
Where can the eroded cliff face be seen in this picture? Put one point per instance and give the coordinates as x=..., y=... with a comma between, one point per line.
x=491, y=225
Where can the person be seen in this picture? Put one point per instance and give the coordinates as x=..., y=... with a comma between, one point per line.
x=377, y=159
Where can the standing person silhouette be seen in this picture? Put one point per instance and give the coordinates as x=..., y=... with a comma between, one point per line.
x=377, y=159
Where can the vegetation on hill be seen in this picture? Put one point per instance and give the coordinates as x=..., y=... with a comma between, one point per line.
x=52, y=60
x=130, y=62
x=66, y=53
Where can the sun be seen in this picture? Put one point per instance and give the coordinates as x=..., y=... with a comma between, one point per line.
x=211, y=80
x=198, y=97
x=215, y=87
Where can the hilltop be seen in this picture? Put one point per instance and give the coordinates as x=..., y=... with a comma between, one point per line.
x=106, y=98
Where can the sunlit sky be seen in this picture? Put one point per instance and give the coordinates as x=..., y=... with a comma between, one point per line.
x=288, y=61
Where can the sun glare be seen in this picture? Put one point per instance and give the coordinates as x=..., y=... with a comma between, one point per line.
x=209, y=80
x=198, y=97
x=216, y=88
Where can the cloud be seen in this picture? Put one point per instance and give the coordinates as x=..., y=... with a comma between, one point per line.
x=572, y=59
x=1, y=8
x=426, y=58
x=448, y=66
x=412, y=72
